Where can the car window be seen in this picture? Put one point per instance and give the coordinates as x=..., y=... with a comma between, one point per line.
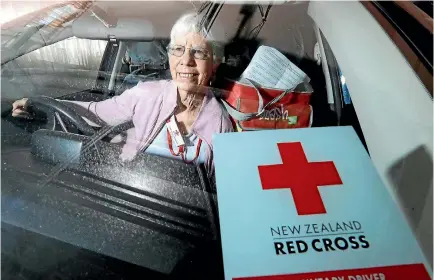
x=159, y=208
x=64, y=67
x=114, y=189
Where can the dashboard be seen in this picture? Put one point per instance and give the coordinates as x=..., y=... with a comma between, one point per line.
x=154, y=215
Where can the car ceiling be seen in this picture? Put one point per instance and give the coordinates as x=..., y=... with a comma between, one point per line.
x=285, y=22
x=288, y=27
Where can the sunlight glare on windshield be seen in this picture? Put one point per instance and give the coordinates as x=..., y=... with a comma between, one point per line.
x=13, y=9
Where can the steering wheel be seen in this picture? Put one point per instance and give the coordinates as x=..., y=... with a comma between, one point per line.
x=43, y=103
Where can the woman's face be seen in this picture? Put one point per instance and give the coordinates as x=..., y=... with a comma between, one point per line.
x=187, y=71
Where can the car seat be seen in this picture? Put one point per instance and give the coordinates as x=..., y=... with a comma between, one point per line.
x=143, y=61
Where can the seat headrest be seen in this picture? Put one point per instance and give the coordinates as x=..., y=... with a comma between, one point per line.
x=147, y=53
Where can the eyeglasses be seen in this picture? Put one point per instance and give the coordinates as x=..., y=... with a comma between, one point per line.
x=197, y=53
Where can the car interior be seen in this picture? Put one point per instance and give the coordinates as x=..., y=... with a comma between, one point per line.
x=72, y=210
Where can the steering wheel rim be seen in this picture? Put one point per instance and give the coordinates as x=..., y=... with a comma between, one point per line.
x=64, y=110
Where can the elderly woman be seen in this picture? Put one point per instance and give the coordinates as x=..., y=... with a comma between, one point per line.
x=174, y=118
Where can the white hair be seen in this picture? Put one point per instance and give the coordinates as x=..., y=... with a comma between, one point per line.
x=191, y=22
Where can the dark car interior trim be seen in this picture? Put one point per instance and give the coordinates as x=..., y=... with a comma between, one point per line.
x=403, y=42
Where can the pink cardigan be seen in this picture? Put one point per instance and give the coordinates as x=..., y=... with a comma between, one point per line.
x=149, y=105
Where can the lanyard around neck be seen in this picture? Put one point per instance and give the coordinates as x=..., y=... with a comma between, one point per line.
x=181, y=147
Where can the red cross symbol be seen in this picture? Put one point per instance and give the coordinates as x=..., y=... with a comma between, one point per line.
x=301, y=176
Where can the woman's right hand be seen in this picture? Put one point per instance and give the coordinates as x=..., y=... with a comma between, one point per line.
x=19, y=108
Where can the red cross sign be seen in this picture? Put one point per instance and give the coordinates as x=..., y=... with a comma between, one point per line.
x=301, y=176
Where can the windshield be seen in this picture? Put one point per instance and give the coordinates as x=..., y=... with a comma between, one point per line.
x=109, y=111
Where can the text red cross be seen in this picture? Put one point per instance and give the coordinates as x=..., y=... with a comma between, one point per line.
x=301, y=176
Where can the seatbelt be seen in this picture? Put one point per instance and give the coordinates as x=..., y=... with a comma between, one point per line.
x=210, y=14
x=255, y=31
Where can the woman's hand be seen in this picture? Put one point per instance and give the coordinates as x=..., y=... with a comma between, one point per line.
x=19, y=108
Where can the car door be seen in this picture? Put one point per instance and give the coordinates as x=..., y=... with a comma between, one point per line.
x=393, y=105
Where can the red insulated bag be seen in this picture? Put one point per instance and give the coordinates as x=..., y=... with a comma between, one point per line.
x=256, y=108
